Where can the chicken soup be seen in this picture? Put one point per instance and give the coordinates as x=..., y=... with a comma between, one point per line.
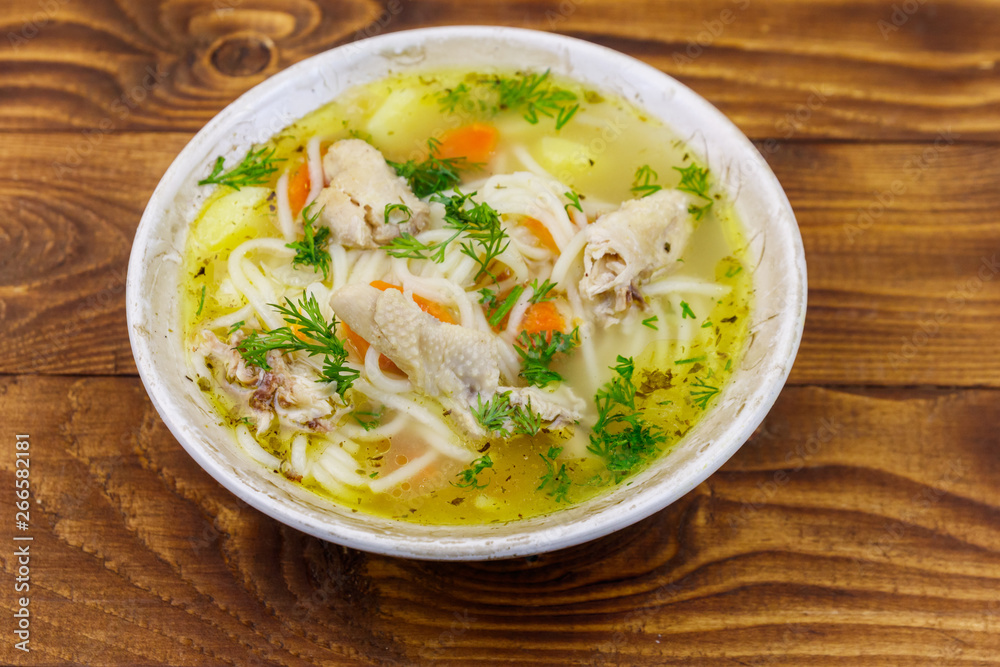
x=464, y=297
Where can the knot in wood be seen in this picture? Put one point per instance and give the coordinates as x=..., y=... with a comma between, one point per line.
x=242, y=54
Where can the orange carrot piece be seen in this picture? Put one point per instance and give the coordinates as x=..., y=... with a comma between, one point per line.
x=541, y=232
x=543, y=317
x=476, y=143
x=430, y=307
x=297, y=332
x=298, y=188
x=360, y=346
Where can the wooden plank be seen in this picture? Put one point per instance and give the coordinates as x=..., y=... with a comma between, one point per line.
x=857, y=527
x=880, y=273
x=819, y=69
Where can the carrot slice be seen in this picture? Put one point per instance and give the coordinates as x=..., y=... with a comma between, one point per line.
x=430, y=307
x=541, y=317
x=361, y=346
x=355, y=341
x=541, y=232
x=475, y=143
x=298, y=188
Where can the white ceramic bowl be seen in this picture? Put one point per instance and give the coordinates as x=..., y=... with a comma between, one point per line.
x=776, y=258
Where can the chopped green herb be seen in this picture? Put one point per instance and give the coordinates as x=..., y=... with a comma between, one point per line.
x=493, y=414
x=374, y=474
x=201, y=304
x=686, y=311
x=307, y=331
x=373, y=418
x=537, y=350
x=556, y=478
x=236, y=327
x=501, y=310
x=311, y=250
x=703, y=392
x=498, y=416
x=574, y=199
x=484, y=237
x=541, y=292
x=255, y=169
x=651, y=322
x=692, y=360
x=532, y=94
x=707, y=324
x=402, y=208
x=407, y=246
x=644, y=183
x=732, y=271
x=469, y=478
x=529, y=93
x=694, y=180
x=488, y=298
x=433, y=174
x=621, y=436
x=526, y=420
x=481, y=225
x=729, y=364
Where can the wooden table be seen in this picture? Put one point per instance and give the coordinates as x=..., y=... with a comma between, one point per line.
x=860, y=526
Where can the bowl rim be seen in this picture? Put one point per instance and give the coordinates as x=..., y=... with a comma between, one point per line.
x=482, y=547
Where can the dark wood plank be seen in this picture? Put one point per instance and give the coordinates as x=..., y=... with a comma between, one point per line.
x=880, y=273
x=818, y=69
x=857, y=527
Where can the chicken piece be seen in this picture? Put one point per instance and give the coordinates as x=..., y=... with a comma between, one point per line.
x=361, y=185
x=627, y=246
x=554, y=413
x=451, y=362
x=287, y=390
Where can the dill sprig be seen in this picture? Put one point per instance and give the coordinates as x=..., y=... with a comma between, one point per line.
x=621, y=436
x=499, y=417
x=694, y=180
x=651, y=322
x=484, y=237
x=537, y=350
x=433, y=174
x=255, y=169
x=702, y=392
x=307, y=331
x=542, y=292
x=686, y=311
x=469, y=478
x=408, y=246
x=311, y=250
x=574, y=199
x=534, y=95
x=483, y=231
x=644, y=182
x=530, y=93
x=403, y=209
x=556, y=478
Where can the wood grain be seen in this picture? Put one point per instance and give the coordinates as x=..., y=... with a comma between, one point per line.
x=857, y=527
x=778, y=68
x=860, y=526
x=895, y=239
